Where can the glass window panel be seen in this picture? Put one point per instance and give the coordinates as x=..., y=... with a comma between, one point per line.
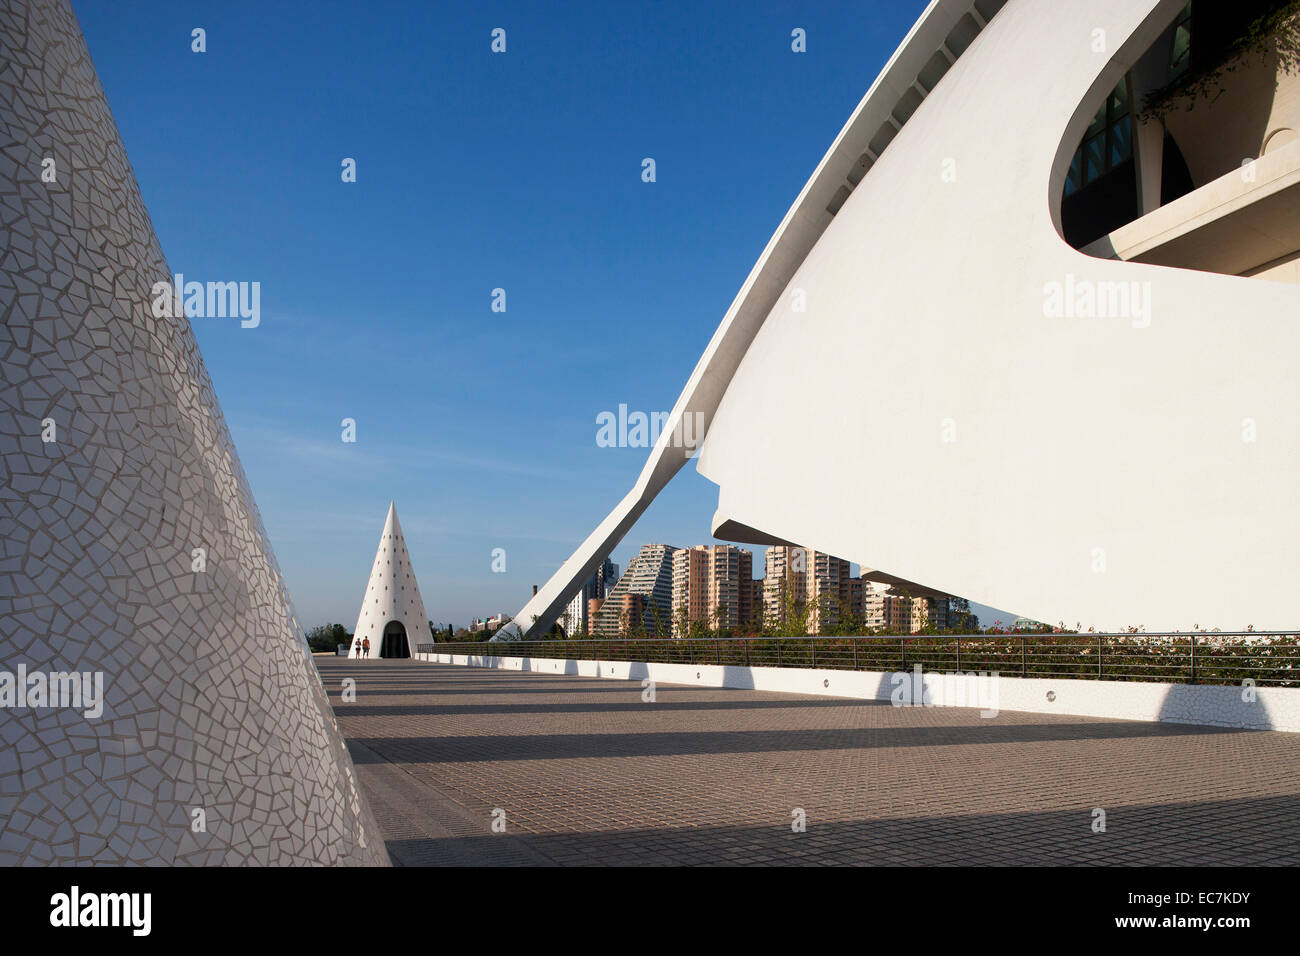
x=1119, y=100
x=1098, y=123
x=1121, y=142
x=1094, y=157
x=1181, y=53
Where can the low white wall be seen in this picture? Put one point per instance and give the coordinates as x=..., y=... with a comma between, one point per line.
x=1273, y=708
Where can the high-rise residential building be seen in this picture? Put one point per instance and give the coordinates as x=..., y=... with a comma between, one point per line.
x=573, y=622
x=751, y=606
x=576, y=620
x=828, y=594
x=783, y=569
x=690, y=592
x=813, y=581
x=853, y=611
x=631, y=608
x=712, y=584
x=649, y=574
x=929, y=612
x=874, y=613
x=897, y=611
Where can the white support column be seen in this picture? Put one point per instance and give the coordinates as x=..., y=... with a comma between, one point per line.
x=1148, y=149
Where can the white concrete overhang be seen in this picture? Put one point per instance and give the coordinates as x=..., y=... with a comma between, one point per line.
x=1105, y=447
x=1242, y=220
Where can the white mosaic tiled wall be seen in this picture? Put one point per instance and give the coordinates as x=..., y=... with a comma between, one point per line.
x=216, y=743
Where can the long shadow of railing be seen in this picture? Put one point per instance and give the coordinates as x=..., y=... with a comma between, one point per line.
x=1267, y=658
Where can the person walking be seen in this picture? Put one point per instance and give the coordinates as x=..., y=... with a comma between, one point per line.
x=365, y=647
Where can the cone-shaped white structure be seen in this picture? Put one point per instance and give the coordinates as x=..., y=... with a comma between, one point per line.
x=133, y=562
x=392, y=614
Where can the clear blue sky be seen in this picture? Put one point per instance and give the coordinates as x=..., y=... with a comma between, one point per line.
x=475, y=170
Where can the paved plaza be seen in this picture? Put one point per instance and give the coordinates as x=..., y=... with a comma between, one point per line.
x=586, y=772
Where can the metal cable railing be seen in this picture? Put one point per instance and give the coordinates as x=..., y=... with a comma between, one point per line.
x=1267, y=658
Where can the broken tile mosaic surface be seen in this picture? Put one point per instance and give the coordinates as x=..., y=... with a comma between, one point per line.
x=211, y=700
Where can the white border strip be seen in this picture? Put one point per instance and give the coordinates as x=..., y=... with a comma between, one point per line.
x=1273, y=708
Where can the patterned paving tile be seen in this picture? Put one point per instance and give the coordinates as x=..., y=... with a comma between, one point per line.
x=587, y=773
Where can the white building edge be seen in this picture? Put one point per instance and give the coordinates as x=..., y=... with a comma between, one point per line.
x=1099, y=471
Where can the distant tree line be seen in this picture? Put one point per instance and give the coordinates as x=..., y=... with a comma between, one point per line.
x=326, y=638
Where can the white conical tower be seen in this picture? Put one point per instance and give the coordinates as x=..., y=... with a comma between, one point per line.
x=392, y=598
x=131, y=551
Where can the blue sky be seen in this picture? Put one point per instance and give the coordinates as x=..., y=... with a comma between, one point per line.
x=475, y=171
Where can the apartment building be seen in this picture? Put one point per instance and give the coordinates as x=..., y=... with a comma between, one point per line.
x=712, y=584
x=576, y=620
x=813, y=581
x=649, y=574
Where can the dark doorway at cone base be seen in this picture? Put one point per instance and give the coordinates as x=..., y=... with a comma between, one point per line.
x=394, y=642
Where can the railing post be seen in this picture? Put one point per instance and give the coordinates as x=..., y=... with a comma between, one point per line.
x=778, y=652
x=1024, y=657
x=902, y=650
x=746, y=652
x=959, y=655
x=1099, y=647
x=1193, y=677
x=717, y=651
x=855, y=653
x=812, y=643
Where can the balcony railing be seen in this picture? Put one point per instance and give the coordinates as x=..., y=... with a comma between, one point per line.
x=1267, y=658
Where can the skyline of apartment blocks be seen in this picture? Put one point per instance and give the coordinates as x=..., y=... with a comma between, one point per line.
x=495, y=622
x=649, y=574
x=576, y=619
x=713, y=584
x=662, y=580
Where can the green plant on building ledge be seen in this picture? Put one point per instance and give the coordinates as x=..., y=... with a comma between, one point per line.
x=1276, y=30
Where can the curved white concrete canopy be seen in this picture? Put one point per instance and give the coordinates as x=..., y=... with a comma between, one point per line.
x=1098, y=472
